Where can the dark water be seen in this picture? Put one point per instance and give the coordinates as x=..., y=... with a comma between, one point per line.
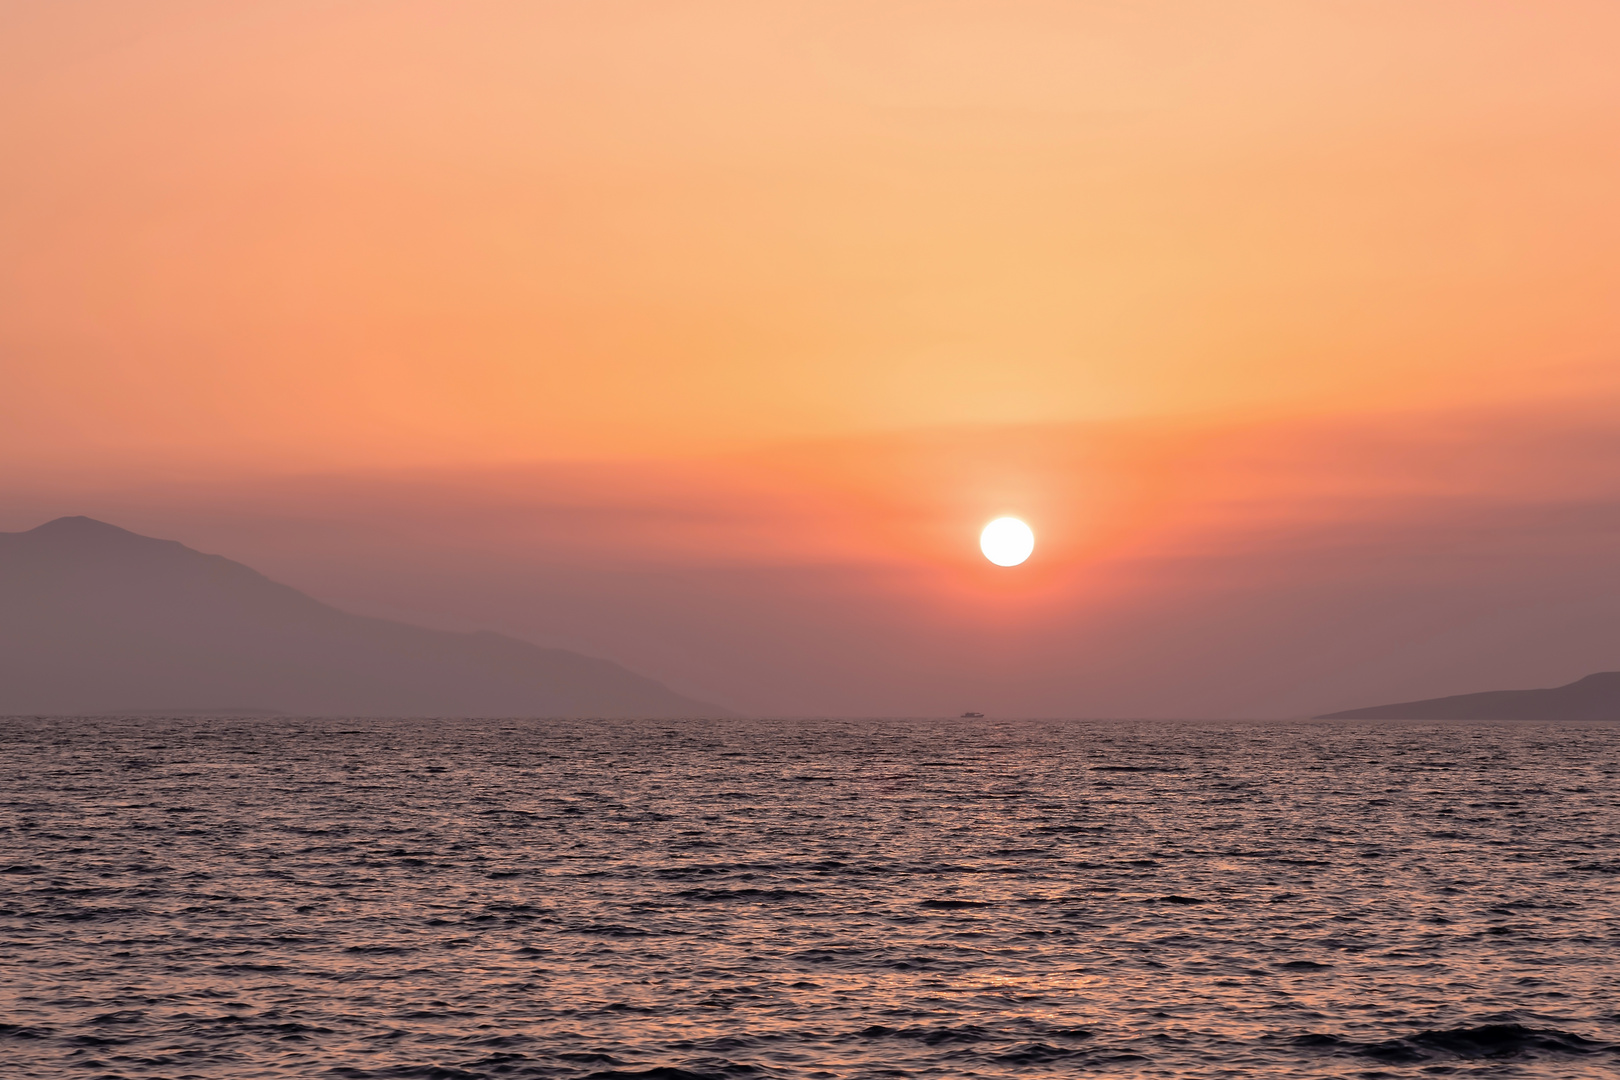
x=235, y=898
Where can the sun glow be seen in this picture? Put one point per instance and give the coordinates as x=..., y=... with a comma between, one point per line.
x=1006, y=541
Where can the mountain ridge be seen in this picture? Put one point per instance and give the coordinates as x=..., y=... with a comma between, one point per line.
x=98, y=619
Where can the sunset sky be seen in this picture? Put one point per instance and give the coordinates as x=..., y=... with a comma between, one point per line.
x=706, y=336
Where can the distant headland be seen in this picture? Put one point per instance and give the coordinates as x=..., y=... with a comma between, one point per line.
x=1596, y=697
x=95, y=619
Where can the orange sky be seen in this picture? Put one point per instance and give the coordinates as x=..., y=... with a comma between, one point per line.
x=636, y=289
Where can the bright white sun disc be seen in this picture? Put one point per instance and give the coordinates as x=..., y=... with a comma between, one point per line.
x=1006, y=541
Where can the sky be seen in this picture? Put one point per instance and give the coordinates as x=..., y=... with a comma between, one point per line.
x=706, y=336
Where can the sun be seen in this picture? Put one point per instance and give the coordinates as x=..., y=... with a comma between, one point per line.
x=1006, y=541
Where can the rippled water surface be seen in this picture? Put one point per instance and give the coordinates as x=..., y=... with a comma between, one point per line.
x=245, y=898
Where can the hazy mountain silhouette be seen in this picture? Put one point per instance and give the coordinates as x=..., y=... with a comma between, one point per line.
x=1596, y=697
x=95, y=619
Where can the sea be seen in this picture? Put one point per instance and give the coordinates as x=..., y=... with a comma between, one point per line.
x=457, y=899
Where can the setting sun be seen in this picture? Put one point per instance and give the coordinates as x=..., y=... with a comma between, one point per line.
x=1006, y=541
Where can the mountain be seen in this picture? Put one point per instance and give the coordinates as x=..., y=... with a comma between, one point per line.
x=1596, y=697
x=94, y=619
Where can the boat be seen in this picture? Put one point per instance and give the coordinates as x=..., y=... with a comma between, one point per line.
x=973, y=716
